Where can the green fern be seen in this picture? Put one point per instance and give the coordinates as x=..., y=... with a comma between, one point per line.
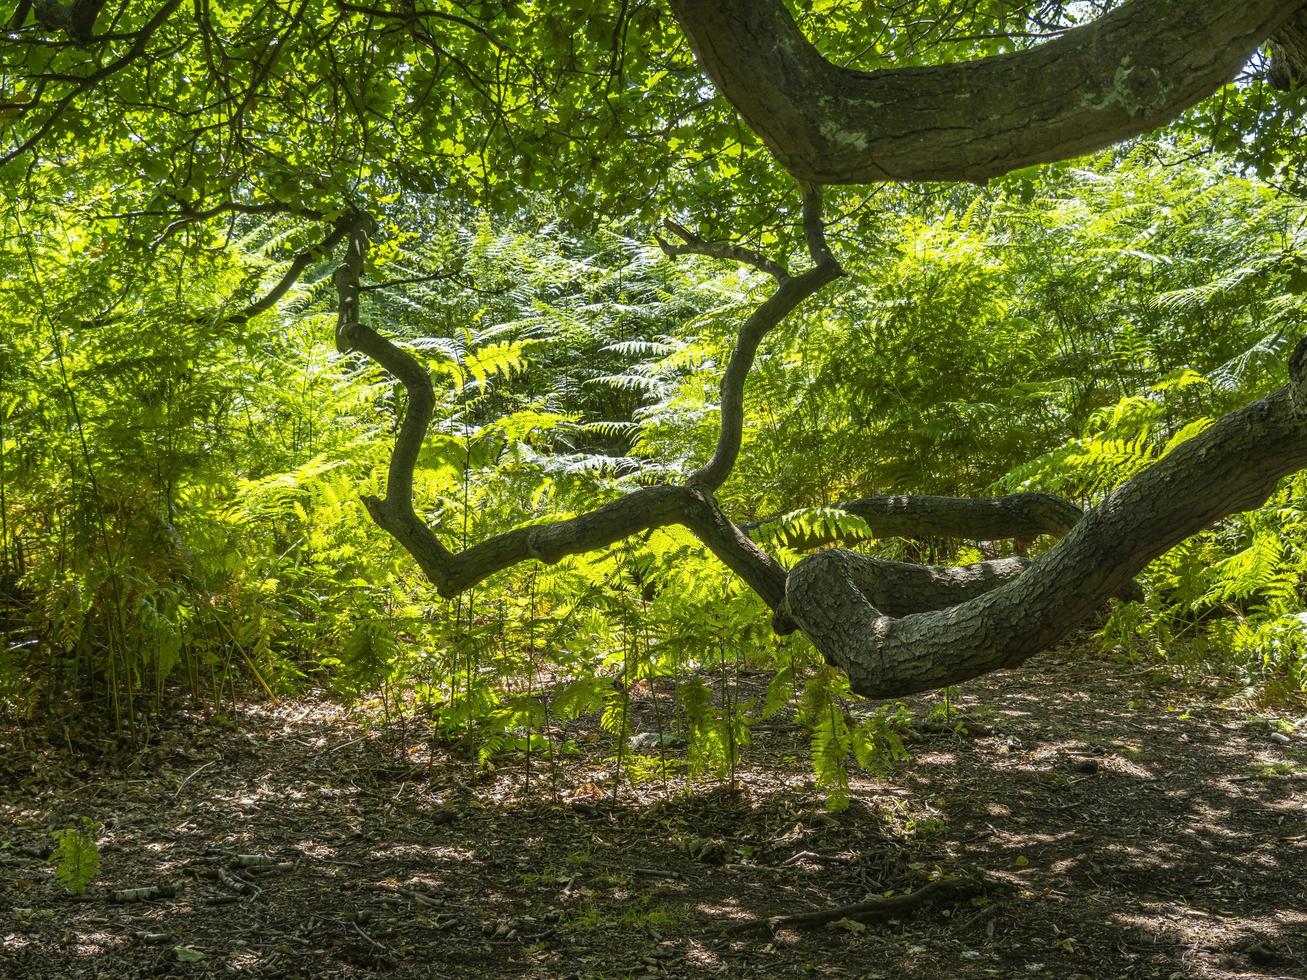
x=76, y=856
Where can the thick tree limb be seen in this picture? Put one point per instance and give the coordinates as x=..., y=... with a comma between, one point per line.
x=76, y=18
x=898, y=588
x=1288, y=68
x=1121, y=75
x=1017, y=515
x=1231, y=467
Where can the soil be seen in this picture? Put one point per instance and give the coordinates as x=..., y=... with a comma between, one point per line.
x=1125, y=826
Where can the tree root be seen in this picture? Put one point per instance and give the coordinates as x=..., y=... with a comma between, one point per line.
x=879, y=908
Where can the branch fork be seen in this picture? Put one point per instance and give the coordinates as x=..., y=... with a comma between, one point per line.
x=691, y=505
x=894, y=629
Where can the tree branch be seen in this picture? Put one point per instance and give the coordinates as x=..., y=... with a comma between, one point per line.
x=791, y=292
x=1123, y=74
x=298, y=265
x=451, y=573
x=1288, y=67
x=878, y=908
x=1232, y=466
x=693, y=244
x=1017, y=515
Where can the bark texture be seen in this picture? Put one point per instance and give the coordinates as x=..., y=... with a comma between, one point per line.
x=1232, y=466
x=1017, y=515
x=1288, y=69
x=1121, y=75
x=897, y=588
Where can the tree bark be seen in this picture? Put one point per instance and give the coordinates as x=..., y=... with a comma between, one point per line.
x=1288, y=69
x=1017, y=515
x=898, y=588
x=1123, y=74
x=1232, y=466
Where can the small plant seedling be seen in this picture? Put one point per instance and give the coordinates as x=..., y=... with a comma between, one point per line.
x=76, y=857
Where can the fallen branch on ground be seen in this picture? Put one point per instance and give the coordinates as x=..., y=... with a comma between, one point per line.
x=878, y=908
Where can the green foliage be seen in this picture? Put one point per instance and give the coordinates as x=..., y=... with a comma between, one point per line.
x=183, y=452
x=1229, y=599
x=874, y=741
x=76, y=856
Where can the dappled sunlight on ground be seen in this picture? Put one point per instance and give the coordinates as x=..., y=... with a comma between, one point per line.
x=1141, y=840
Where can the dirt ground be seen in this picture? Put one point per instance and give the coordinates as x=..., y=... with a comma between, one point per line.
x=1128, y=826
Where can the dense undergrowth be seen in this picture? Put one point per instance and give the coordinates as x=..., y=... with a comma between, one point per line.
x=180, y=483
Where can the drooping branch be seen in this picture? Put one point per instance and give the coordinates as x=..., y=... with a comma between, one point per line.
x=1123, y=74
x=691, y=506
x=1231, y=467
x=1017, y=515
x=790, y=292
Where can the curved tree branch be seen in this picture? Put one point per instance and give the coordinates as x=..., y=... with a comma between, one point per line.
x=691, y=506
x=1230, y=467
x=1121, y=75
x=789, y=294
x=1016, y=515
x=297, y=267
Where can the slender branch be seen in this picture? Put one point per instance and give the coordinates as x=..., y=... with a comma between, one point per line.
x=693, y=244
x=705, y=519
x=452, y=573
x=1017, y=515
x=878, y=907
x=187, y=217
x=791, y=292
x=298, y=265
x=411, y=281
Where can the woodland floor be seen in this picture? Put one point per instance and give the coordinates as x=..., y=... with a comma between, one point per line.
x=1150, y=829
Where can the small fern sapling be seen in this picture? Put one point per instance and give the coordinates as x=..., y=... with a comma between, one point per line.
x=76, y=857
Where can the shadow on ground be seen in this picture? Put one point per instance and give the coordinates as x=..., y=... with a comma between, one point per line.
x=1144, y=837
